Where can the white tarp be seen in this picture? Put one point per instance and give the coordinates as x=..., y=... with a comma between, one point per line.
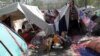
x=34, y=19
x=63, y=11
x=9, y=9
x=35, y=10
x=32, y=15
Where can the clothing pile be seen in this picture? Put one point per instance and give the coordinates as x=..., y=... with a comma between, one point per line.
x=90, y=47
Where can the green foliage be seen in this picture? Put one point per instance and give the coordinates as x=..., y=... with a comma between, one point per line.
x=81, y=3
x=49, y=5
x=41, y=4
x=5, y=0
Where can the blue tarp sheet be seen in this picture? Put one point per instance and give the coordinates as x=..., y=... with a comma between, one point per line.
x=88, y=52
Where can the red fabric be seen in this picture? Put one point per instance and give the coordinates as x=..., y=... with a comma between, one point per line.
x=26, y=37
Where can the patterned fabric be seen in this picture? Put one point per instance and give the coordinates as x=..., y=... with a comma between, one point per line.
x=87, y=21
x=76, y=47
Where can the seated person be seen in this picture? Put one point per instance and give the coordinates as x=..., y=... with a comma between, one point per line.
x=26, y=35
x=63, y=36
x=65, y=39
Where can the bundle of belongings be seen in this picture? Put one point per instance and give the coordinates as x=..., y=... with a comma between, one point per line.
x=89, y=46
x=56, y=41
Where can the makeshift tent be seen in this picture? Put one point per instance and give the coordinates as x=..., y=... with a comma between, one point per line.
x=11, y=43
x=62, y=22
x=31, y=13
x=64, y=12
x=40, y=23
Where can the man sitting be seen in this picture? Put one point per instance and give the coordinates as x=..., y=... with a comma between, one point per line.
x=65, y=39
